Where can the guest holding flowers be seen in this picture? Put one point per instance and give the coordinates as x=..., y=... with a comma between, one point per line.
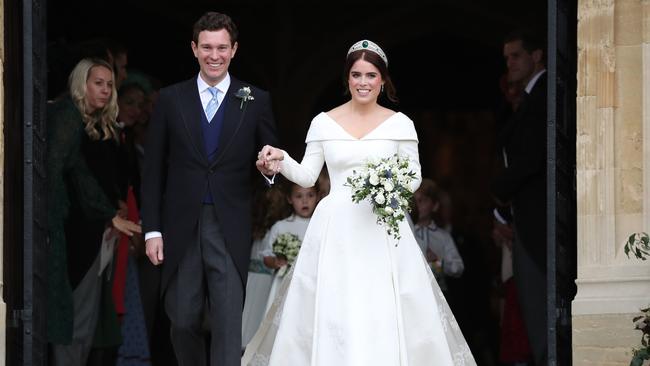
x=269, y=206
x=303, y=202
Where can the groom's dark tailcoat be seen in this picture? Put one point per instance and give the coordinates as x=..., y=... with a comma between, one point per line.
x=178, y=174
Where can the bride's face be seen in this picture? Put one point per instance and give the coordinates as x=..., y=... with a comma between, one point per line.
x=364, y=81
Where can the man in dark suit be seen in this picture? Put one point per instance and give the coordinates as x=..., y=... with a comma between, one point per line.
x=522, y=184
x=196, y=194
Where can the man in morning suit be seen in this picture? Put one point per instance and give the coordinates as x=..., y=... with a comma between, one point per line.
x=522, y=184
x=196, y=194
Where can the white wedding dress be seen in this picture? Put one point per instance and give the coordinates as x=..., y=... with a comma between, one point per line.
x=356, y=296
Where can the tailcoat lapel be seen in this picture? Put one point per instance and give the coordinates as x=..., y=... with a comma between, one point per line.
x=233, y=118
x=518, y=119
x=191, y=109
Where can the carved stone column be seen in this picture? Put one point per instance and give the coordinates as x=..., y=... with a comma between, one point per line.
x=613, y=177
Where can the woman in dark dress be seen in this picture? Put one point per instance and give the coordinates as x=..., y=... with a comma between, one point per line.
x=82, y=207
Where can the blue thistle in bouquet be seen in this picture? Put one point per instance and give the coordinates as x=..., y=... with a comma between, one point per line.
x=385, y=183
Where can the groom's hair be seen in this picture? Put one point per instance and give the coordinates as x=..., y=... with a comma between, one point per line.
x=213, y=21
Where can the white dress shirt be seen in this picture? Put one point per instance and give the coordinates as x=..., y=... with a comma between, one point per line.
x=206, y=95
x=440, y=242
x=532, y=81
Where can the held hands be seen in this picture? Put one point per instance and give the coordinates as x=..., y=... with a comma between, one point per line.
x=268, y=160
x=154, y=250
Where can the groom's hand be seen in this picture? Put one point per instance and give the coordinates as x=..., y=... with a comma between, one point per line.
x=268, y=160
x=270, y=153
x=154, y=250
x=265, y=168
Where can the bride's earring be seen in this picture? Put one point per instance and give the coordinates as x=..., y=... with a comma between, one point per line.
x=382, y=88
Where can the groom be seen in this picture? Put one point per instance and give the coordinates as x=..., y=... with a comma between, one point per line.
x=196, y=194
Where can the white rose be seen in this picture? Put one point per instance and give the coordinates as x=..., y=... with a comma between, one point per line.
x=388, y=186
x=374, y=179
x=380, y=199
x=389, y=210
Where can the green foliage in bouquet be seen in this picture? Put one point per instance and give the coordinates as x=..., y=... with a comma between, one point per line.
x=287, y=245
x=386, y=185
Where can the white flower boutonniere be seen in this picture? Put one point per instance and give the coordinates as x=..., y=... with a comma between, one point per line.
x=245, y=95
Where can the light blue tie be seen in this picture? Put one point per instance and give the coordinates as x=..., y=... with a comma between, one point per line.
x=213, y=104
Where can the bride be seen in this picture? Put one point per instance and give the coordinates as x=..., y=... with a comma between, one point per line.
x=356, y=296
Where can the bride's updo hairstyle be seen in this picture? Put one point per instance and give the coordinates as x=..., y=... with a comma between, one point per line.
x=370, y=52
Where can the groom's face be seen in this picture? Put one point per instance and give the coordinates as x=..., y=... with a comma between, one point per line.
x=214, y=51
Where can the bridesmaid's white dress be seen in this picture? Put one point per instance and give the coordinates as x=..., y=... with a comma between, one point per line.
x=356, y=296
x=258, y=287
x=293, y=224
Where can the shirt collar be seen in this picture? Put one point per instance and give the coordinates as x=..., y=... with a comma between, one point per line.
x=295, y=217
x=431, y=226
x=532, y=81
x=222, y=86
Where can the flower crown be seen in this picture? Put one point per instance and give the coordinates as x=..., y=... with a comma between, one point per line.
x=370, y=46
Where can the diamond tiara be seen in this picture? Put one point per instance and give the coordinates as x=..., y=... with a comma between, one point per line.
x=370, y=46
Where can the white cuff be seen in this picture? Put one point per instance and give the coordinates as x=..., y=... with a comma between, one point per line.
x=271, y=180
x=152, y=234
x=498, y=216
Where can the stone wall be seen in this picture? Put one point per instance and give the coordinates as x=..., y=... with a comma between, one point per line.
x=613, y=177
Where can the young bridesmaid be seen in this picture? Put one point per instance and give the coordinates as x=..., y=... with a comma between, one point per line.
x=436, y=243
x=270, y=205
x=303, y=202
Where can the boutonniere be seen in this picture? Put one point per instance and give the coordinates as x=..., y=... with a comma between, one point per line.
x=245, y=95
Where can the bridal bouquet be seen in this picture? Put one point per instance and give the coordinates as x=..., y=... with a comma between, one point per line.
x=286, y=245
x=386, y=184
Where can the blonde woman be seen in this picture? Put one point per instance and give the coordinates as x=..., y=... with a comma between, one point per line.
x=82, y=204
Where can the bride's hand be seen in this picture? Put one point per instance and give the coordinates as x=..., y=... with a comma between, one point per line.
x=268, y=160
x=268, y=167
x=270, y=153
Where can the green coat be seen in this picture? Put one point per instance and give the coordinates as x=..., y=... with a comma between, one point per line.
x=67, y=172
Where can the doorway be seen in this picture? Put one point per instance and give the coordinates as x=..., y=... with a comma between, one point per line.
x=294, y=51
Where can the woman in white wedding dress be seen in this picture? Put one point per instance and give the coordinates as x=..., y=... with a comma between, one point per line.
x=356, y=296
